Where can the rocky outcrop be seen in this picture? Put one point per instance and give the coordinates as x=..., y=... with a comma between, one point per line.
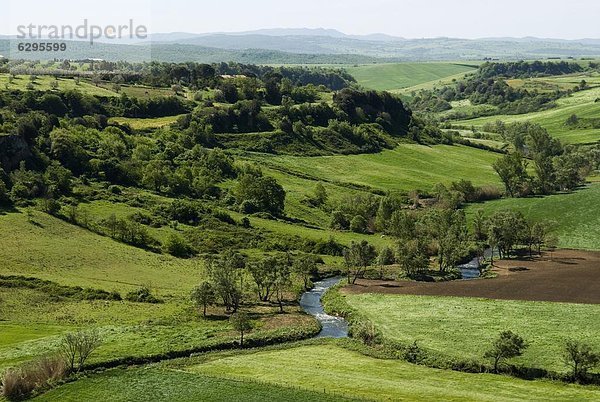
x=13, y=150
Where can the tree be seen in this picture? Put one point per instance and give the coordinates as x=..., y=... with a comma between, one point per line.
x=581, y=358
x=264, y=274
x=306, y=267
x=339, y=221
x=507, y=346
x=385, y=258
x=321, y=196
x=265, y=194
x=241, y=323
x=412, y=258
x=76, y=348
x=203, y=296
x=358, y=257
x=282, y=283
x=512, y=169
x=226, y=273
x=358, y=224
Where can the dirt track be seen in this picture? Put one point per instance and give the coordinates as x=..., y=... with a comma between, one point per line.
x=567, y=276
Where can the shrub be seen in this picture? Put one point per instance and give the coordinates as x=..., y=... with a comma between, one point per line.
x=413, y=353
x=142, y=295
x=178, y=247
x=18, y=383
x=367, y=333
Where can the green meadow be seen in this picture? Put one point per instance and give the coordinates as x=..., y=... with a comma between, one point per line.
x=463, y=328
x=405, y=168
x=394, y=77
x=574, y=216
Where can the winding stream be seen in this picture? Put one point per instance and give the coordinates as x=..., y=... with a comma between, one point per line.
x=332, y=327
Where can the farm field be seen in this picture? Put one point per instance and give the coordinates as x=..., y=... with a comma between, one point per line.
x=348, y=373
x=405, y=168
x=574, y=215
x=394, y=77
x=562, y=276
x=465, y=327
x=144, y=384
x=583, y=104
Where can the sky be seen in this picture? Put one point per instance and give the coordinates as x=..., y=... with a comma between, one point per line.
x=572, y=19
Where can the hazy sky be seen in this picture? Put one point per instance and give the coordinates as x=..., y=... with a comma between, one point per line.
x=408, y=18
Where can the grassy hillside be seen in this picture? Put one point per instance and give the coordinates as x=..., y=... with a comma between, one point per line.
x=36, y=244
x=575, y=216
x=157, y=384
x=583, y=104
x=351, y=374
x=391, y=77
x=466, y=327
x=408, y=167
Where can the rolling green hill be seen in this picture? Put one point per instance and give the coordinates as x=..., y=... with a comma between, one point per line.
x=405, y=168
x=393, y=77
x=583, y=104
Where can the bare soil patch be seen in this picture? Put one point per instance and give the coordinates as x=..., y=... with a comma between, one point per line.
x=563, y=276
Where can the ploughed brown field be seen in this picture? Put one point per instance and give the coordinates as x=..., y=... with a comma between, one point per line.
x=564, y=276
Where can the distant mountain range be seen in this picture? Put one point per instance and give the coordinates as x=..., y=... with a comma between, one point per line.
x=302, y=45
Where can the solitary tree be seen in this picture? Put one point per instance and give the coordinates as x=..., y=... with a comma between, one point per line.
x=581, y=358
x=76, y=348
x=203, y=296
x=242, y=324
x=507, y=346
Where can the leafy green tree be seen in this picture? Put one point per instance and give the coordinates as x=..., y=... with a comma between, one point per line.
x=227, y=275
x=358, y=224
x=264, y=192
x=265, y=274
x=512, y=169
x=306, y=267
x=506, y=346
x=339, y=221
x=358, y=258
x=241, y=323
x=412, y=258
x=581, y=358
x=203, y=296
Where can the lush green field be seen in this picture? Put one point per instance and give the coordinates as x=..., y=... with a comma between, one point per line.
x=142, y=124
x=390, y=77
x=48, y=248
x=583, y=104
x=154, y=384
x=42, y=83
x=575, y=216
x=408, y=167
x=465, y=327
x=349, y=373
